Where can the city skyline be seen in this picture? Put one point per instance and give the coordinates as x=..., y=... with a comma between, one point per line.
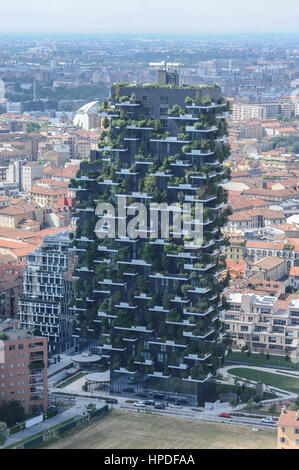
x=150, y=16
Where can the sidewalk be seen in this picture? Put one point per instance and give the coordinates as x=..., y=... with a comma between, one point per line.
x=60, y=418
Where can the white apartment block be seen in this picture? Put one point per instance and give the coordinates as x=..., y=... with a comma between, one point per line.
x=247, y=111
x=262, y=322
x=30, y=172
x=261, y=111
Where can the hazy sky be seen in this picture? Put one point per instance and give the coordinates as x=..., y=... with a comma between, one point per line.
x=149, y=16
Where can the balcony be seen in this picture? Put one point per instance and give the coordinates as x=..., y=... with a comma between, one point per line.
x=126, y=305
x=187, y=311
x=200, y=153
x=143, y=297
x=189, y=334
x=181, y=366
x=190, y=379
x=86, y=209
x=208, y=129
x=197, y=357
x=135, y=262
x=173, y=277
x=158, y=308
x=179, y=300
x=109, y=347
x=199, y=290
x=109, y=282
x=139, y=329
x=198, y=267
x=106, y=315
x=123, y=370
x=146, y=362
x=159, y=375
x=180, y=323
x=208, y=106
x=184, y=117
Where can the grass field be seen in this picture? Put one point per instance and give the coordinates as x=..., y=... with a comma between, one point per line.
x=274, y=380
x=72, y=380
x=131, y=430
x=261, y=360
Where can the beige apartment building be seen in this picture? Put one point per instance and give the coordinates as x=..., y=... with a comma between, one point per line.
x=263, y=322
x=23, y=368
x=288, y=430
x=47, y=196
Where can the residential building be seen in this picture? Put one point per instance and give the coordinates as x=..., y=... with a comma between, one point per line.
x=288, y=430
x=23, y=368
x=30, y=172
x=270, y=268
x=263, y=322
x=11, y=216
x=46, y=197
x=11, y=287
x=254, y=218
x=46, y=292
x=154, y=303
x=294, y=277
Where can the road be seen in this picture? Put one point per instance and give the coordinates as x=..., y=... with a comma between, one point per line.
x=183, y=412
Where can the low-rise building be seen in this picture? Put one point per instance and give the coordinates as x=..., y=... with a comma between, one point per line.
x=270, y=268
x=288, y=430
x=263, y=322
x=47, y=197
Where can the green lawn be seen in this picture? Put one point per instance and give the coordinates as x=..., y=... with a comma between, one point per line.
x=274, y=380
x=261, y=360
x=71, y=380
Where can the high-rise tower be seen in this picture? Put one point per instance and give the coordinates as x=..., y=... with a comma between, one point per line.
x=152, y=304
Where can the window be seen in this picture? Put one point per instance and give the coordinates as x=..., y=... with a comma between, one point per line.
x=164, y=99
x=163, y=111
x=160, y=358
x=282, y=439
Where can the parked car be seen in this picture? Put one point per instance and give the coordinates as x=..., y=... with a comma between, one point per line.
x=182, y=401
x=111, y=400
x=139, y=404
x=149, y=402
x=268, y=420
x=224, y=415
x=160, y=407
x=174, y=406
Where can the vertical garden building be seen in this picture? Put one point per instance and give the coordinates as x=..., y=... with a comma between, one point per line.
x=151, y=305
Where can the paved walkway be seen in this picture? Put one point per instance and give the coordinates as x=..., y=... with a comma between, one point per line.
x=77, y=410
